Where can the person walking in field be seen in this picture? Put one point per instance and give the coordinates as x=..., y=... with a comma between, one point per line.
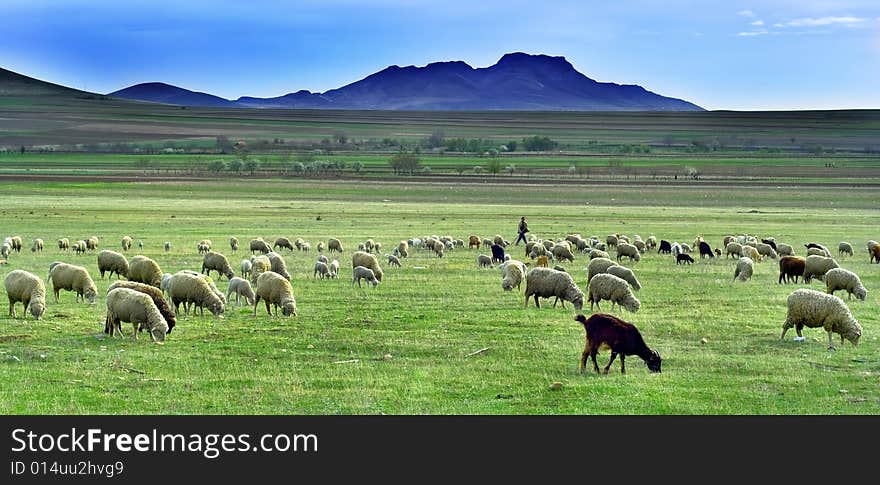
x=523, y=229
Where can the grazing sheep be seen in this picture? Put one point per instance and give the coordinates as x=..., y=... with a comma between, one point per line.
x=37, y=245
x=665, y=247
x=112, y=262
x=706, y=250
x=203, y=248
x=334, y=245
x=27, y=288
x=562, y=253
x=140, y=244
x=783, y=249
x=547, y=282
x=191, y=288
x=842, y=279
x=126, y=305
x=651, y=242
x=686, y=248
x=677, y=249
x=682, y=258
x=844, y=248
x=606, y=286
x=80, y=247
x=596, y=253
x=745, y=267
x=210, y=282
x=361, y=273
x=625, y=274
x=790, y=268
x=473, y=242
x=166, y=278
x=438, y=249
x=246, y=267
x=367, y=260
x=817, y=249
x=259, y=245
x=320, y=269
x=512, y=272
x=144, y=270
x=155, y=294
x=873, y=251
x=641, y=246
x=333, y=269
x=233, y=243
x=752, y=252
x=817, y=266
x=392, y=260
x=126, y=243
x=5, y=250
x=811, y=308
x=770, y=242
x=598, y=265
x=403, y=249
x=283, y=242
x=242, y=288
x=217, y=262
x=612, y=240
x=628, y=250
x=64, y=244
x=620, y=337
x=73, y=278
x=167, y=246
x=278, y=265
x=765, y=249
x=259, y=264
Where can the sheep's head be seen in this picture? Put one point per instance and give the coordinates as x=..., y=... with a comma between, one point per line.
x=90, y=294
x=37, y=309
x=653, y=361
x=288, y=307
x=157, y=334
x=861, y=293
x=632, y=304
x=216, y=308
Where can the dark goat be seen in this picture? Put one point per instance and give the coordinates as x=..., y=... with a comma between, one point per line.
x=497, y=254
x=665, y=247
x=814, y=245
x=705, y=250
x=790, y=268
x=682, y=258
x=770, y=243
x=607, y=331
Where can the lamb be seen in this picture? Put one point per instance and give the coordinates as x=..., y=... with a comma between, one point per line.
x=259, y=264
x=320, y=269
x=676, y=249
x=155, y=294
x=334, y=245
x=333, y=269
x=283, y=242
x=217, y=262
x=27, y=288
x=438, y=249
x=817, y=266
x=64, y=244
x=393, y=260
x=626, y=274
x=233, y=243
x=211, y=285
x=367, y=260
x=842, y=279
x=144, y=270
x=37, y=245
x=126, y=305
x=259, y=245
x=641, y=246
x=682, y=258
x=278, y=265
x=744, y=269
x=752, y=252
x=706, y=250
x=167, y=246
x=606, y=286
x=665, y=247
x=242, y=288
x=203, y=248
x=5, y=250
x=621, y=337
x=651, y=242
x=844, y=248
x=628, y=250
x=598, y=265
x=562, y=253
x=361, y=273
x=512, y=272
x=790, y=268
x=126, y=243
x=484, y=261
x=542, y=262
x=73, y=278
x=686, y=248
x=192, y=288
x=783, y=249
x=80, y=247
x=487, y=242
x=92, y=243
x=320, y=246
x=112, y=262
x=765, y=249
x=811, y=308
x=547, y=282
x=403, y=249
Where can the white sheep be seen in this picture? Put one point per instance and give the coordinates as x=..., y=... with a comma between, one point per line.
x=217, y=262
x=598, y=265
x=73, y=278
x=362, y=273
x=606, y=286
x=626, y=274
x=245, y=267
x=334, y=245
x=27, y=288
x=844, y=248
x=811, y=308
x=393, y=260
x=259, y=265
x=843, y=279
x=144, y=270
x=191, y=288
x=752, y=252
x=817, y=266
x=242, y=288
x=112, y=262
x=547, y=282
x=783, y=249
x=154, y=293
x=320, y=269
x=167, y=246
x=367, y=260
x=37, y=246
x=333, y=268
x=126, y=305
x=745, y=267
x=512, y=272
x=734, y=249
x=275, y=291
x=484, y=261
x=628, y=250
x=766, y=250
x=562, y=252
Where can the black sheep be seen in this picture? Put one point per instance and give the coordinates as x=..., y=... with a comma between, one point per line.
x=665, y=247
x=621, y=337
x=497, y=254
x=682, y=258
x=705, y=250
x=770, y=243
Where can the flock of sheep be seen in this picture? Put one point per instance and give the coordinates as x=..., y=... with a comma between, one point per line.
x=150, y=298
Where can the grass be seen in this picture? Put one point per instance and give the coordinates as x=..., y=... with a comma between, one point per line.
x=430, y=314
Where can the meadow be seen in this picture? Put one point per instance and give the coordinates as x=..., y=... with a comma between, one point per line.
x=719, y=339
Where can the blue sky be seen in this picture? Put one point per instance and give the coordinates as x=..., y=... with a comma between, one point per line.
x=742, y=55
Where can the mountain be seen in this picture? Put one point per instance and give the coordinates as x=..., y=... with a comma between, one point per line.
x=518, y=81
x=168, y=94
x=14, y=84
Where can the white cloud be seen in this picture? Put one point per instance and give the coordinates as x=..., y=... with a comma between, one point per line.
x=822, y=21
x=753, y=33
x=758, y=23
x=746, y=13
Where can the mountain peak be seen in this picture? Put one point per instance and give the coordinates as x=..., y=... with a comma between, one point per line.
x=521, y=58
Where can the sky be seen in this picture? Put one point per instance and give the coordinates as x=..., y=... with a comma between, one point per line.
x=729, y=54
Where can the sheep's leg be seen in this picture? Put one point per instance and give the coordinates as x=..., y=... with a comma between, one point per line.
x=831, y=341
x=268, y=310
x=584, y=357
x=527, y=300
x=256, y=302
x=537, y=304
x=11, y=308
x=610, y=361
x=593, y=353
x=785, y=328
x=134, y=330
x=622, y=366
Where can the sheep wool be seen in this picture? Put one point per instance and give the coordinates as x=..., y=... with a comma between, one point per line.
x=73, y=278
x=127, y=305
x=274, y=290
x=155, y=294
x=27, y=288
x=216, y=262
x=626, y=274
x=606, y=286
x=811, y=308
x=144, y=270
x=745, y=267
x=843, y=279
x=194, y=289
x=112, y=262
x=816, y=266
x=278, y=265
x=367, y=260
x=512, y=272
x=241, y=288
x=598, y=265
x=547, y=282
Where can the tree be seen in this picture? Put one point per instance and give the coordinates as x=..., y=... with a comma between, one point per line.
x=234, y=165
x=478, y=169
x=436, y=139
x=340, y=137
x=251, y=166
x=511, y=146
x=298, y=168
x=216, y=166
x=404, y=162
x=538, y=143
x=493, y=166
x=357, y=166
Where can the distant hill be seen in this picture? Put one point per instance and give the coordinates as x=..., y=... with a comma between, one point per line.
x=14, y=84
x=518, y=81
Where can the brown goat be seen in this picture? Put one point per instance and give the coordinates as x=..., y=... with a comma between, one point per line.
x=474, y=242
x=607, y=331
x=790, y=267
x=542, y=261
x=875, y=252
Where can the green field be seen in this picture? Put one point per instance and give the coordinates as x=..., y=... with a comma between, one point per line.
x=431, y=313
